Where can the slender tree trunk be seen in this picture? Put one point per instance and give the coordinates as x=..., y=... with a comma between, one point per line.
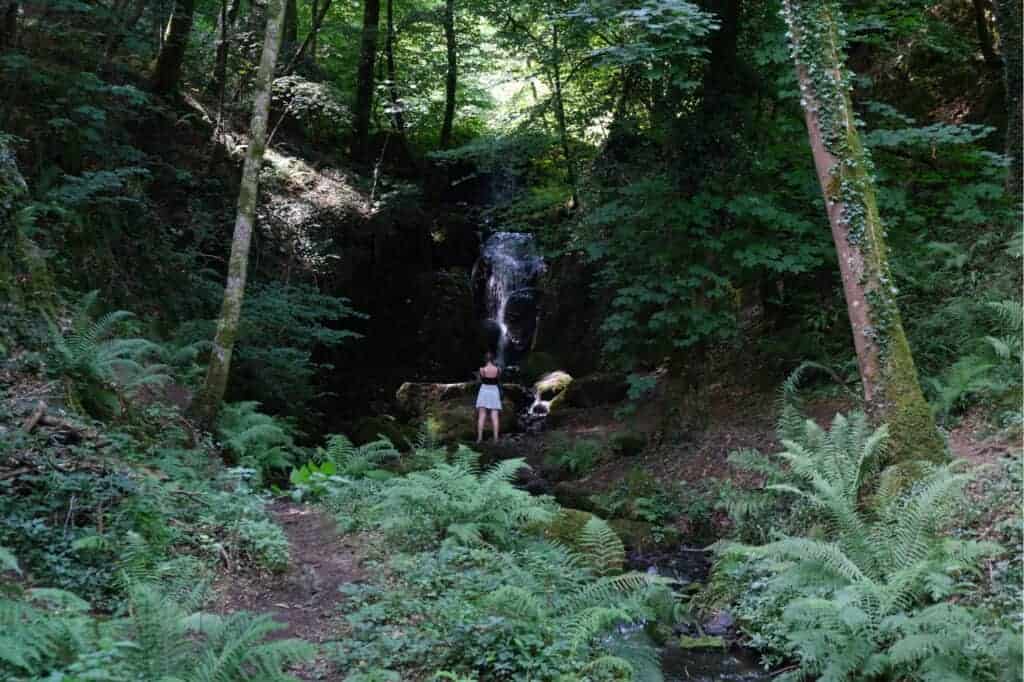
x=167, y=70
x=208, y=402
x=1008, y=21
x=451, y=81
x=9, y=25
x=309, y=44
x=563, y=129
x=314, y=10
x=985, y=42
x=891, y=391
x=291, y=25
x=225, y=25
x=365, y=82
x=397, y=116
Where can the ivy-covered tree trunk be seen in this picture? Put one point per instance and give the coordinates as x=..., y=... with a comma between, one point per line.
x=167, y=69
x=1008, y=20
x=451, y=81
x=212, y=393
x=892, y=393
x=364, y=82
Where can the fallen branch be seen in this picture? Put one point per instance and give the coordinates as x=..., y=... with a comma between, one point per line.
x=34, y=418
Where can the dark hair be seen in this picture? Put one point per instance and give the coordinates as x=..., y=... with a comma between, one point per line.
x=488, y=357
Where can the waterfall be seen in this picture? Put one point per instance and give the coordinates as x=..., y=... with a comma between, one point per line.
x=510, y=263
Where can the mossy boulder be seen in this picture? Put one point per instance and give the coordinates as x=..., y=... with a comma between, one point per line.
x=417, y=399
x=456, y=419
x=369, y=429
x=596, y=389
x=627, y=443
x=572, y=494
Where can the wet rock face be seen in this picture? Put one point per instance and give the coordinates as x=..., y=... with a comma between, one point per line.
x=505, y=294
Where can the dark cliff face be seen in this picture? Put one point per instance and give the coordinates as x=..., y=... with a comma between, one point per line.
x=570, y=315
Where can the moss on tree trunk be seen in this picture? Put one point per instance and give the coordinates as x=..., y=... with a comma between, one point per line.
x=892, y=393
x=167, y=69
x=219, y=368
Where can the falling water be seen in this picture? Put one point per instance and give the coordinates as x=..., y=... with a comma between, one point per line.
x=512, y=266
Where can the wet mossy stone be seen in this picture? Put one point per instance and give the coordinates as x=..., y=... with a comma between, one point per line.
x=552, y=384
x=628, y=443
x=705, y=642
x=596, y=389
x=369, y=429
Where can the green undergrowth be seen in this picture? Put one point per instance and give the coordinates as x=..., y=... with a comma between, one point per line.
x=465, y=583
x=115, y=522
x=854, y=570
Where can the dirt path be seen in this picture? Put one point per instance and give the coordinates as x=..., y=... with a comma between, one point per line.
x=306, y=598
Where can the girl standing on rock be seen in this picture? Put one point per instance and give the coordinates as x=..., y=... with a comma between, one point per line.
x=488, y=400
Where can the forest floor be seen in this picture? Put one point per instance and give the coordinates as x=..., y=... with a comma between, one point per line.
x=307, y=598
x=308, y=601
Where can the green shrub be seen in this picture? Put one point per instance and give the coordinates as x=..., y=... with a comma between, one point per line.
x=863, y=594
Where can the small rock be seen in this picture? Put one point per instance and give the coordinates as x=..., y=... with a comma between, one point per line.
x=719, y=624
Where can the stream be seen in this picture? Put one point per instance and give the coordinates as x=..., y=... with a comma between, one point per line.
x=505, y=289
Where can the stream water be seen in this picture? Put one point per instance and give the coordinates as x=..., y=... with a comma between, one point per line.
x=506, y=280
x=505, y=285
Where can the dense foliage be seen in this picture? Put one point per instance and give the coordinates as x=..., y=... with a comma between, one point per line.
x=659, y=153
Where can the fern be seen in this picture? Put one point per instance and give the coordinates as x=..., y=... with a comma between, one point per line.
x=100, y=367
x=50, y=634
x=862, y=590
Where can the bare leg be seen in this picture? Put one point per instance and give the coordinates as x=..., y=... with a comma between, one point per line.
x=481, y=419
x=495, y=420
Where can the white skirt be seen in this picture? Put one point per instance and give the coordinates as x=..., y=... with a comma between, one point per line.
x=489, y=397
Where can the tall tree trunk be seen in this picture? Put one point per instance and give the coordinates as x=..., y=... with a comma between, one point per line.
x=309, y=44
x=364, y=85
x=167, y=70
x=563, y=129
x=290, y=36
x=208, y=402
x=397, y=115
x=9, y=24
x=225, y=25
x=891, y=391
x=1008, y=21
x=985, y=43
x=314, y=10
x=451, y=81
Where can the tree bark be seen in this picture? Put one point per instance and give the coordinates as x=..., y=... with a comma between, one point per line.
x=225, y=24
x=9, y=25
x=1008, y=21
x=314, y=10
x=309, y=44
x=291, y=24
x=451, y=80
x=985, y=42
x=212, y=393
x=892, y=393
x=397, y=115
x=167, y=70
x=365, y=80
x=563, y=129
